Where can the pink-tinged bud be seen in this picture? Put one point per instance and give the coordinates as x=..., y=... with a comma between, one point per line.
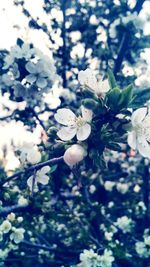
x=74, y=154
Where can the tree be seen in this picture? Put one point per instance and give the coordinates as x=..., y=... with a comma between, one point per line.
x=80, y=195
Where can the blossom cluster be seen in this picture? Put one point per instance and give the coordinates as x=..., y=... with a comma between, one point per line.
x=89, y=258
x=81, y=125
x=27, y=73
x=11, y=233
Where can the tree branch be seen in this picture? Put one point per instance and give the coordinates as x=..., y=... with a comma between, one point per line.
x=125, y=40
x=6, y=210
x=35, y=167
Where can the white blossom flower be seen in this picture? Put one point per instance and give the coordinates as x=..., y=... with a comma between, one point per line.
x=122, y=187
x=40, y=177
x=5, y=227
x=74, y=154
x=29, y=153
x=23, y=51
x=141, y=250
x=107, y=258
x=108, y=235
x=18, y=235
x=11, y=217
x=87, y=78
x=124, y=223
x=38, y=74
x=139, y=137
x=4, y=253
x=91, y=259
x=109, y=185
x=74, y=125
x=92, y=188
x=22, y=201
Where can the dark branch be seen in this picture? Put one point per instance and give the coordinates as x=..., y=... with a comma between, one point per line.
x=35, y=167
x=6, y=210
x=126, y=38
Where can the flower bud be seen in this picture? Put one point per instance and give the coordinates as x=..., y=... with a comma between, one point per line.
x=74, y=154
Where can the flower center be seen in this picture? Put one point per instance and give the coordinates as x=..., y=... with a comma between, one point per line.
x=79, y=122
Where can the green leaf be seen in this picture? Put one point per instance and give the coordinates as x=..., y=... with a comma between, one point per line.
x=126, y=96
x=111, y=79
x=90, y=103
x=114, y=146
x=141, y=96
x=53, y=168
x=113, y=98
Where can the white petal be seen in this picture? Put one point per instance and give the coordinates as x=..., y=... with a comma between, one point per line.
x=104, y=86
x=65, y=116
x=83, y=132
x=31, y=78
x=44, y=170
x=30, y=182
x=33, y=156
x=88, y=79
x=86, y=114
x=41, y=82
x=30, y=67
x=66, y=133
x=43, y=179
x=138, y=115
x=132, y=139
x=143, y=147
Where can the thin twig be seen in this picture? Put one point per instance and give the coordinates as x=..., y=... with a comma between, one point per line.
x=6, y=210
x=32, y=168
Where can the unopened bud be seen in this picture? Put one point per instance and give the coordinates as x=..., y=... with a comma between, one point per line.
x=74, y=154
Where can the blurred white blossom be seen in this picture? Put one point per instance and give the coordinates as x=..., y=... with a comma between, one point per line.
x=125, y=224
x=40, y=177
x=29, y=153
x=87, y=78
x=91, y=259
x=5, y=227
x=17, y=235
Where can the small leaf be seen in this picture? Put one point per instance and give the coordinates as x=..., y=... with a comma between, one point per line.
x=90, y=103
x=113, y=98
x=141, y=96
x=53, y=168
x=126, y=96
x=111, y=79
x=114, y=146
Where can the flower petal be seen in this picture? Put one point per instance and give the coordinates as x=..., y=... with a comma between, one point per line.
x=104, y=86
x=31, y=78
x=65, y=116
x=132, y=139
x=66, y=133
x=41, y=82
x=143, y=147
x=43, y=179
x=138, y=115
x=31, y=67
x=86, y=114
x=83, y=132
x=30, y=182
x=88, y=79
x=44, y=170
